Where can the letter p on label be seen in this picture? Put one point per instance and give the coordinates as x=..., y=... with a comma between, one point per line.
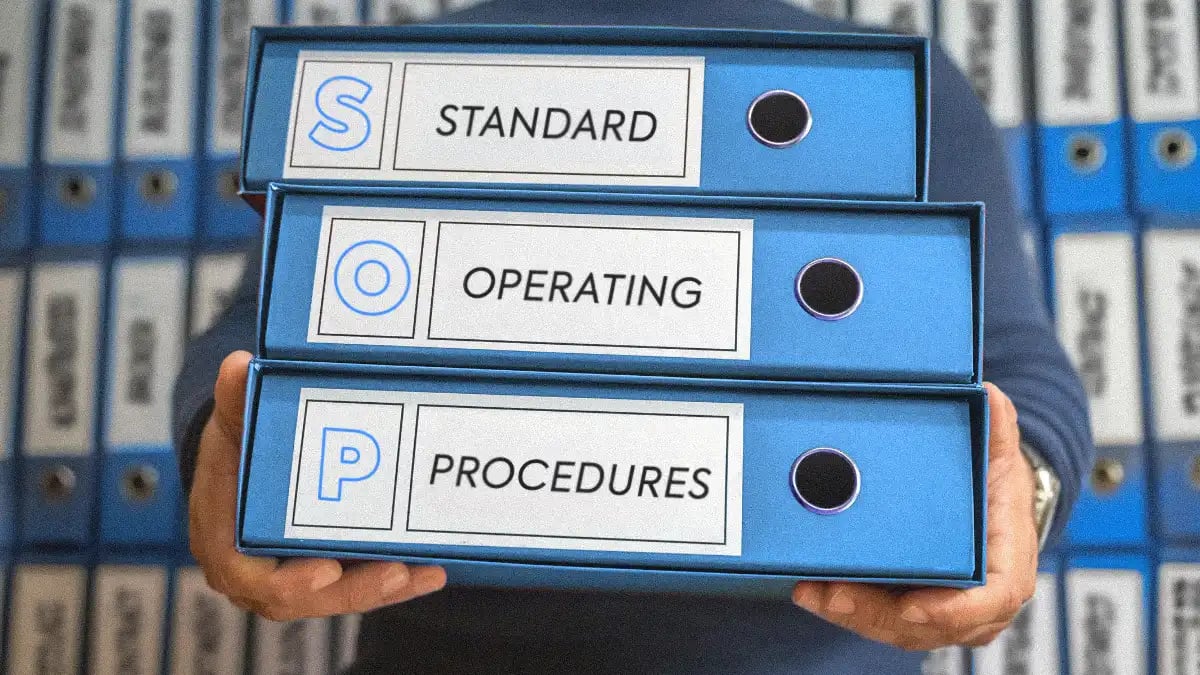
x=347, y=456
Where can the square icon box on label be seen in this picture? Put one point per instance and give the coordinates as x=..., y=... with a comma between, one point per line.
x=341, y=113
x=346, y=463
x=368, y=286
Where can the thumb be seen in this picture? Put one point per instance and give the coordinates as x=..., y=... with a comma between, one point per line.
x=230, y=394
x=1005, y=434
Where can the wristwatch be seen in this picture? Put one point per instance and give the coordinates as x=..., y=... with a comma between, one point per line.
x=1046, y=490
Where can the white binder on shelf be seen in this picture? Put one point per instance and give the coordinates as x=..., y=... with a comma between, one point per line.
x=215, y=278
x=909, y=17
x=12, y=306
x=292, y=647
x=128, y=619
x=401, y=12
x=208, y=633
x=46, y=618
x=21, y=42
x=322, y=12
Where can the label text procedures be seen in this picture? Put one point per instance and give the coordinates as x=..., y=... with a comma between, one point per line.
x=533, y=475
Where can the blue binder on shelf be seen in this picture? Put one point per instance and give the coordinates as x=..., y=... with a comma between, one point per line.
x=139, y=479
x=160, y=167
x=655, y=284
x=63, y=339
x=45, y=587
x=1162, y=73
x=1171, y=284
x=21, y=35
x=208, y=632
x=987, y=42
x=617, y=109
x=907, y=17
x=302, y=647
x=128, y=614
x=12, y=321
x=223, y=215
x=78, y=174
x=1178, y=610
x=400, y=12
x=1031, y=643
x=1080, y=146
x=1095, y=299
x=215, y=278
x=1107, y=613
x=322, y=12
x=619, y=474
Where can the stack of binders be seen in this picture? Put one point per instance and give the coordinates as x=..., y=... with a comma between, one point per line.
x=611, y=308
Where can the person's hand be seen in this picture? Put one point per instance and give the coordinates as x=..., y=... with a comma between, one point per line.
x=926, y=619
x=285, y=590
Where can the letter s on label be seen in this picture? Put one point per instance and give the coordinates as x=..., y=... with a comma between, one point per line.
x=344, y=125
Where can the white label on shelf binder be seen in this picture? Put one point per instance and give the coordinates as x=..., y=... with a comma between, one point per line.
x=910, y=17
x=349, y=627
x=129, y=608
x=146, y=343
x=834, y=9
x=984, y=39
x=160, y=82
x=215, y=280
x=1096, y=298
x=498, y=118
x=46, y=619
x=945, y=661
x=60, y=371
x=401, y=12
x=292, y=648
x=1106, y=630
x=1179, y=619
x=543, y=282
x=1030, y=644
x=1075, y=47
x=229, y=48
x=324, y=13
x=1162, y=60
x=208, y=632
x=18, y=32
x=12, y=286
x=1172, y=287
x=523, y=471
x=81, y=90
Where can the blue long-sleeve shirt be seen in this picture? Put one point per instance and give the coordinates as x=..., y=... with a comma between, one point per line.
x=469, y=630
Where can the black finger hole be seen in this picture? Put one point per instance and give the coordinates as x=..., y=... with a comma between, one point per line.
x=825, y=481
x=1086, y=153
x=158, y=186
x=77, y=191
x=779, y=119
x=829, y=289
x=1176, y=149
x=227, y=185
x=58, y=483
x=140, y=484
x=1194, y=474
x=1107, y=475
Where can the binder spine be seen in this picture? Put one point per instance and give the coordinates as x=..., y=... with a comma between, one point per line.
x=215, y=279
x=400, y=12
x=208, y=633
x=47, y=586
x=12, y=321
x=127, y=626
x=1178, y=612
x=21, y=34
x=321, y=12
x=1107, y=613
x=301, y=647
x=908, y=17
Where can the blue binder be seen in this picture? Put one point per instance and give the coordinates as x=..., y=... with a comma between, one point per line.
x=657, y=284
x=160, y=167
x=1178, y=612
x=1080, y=144
x=43, y=586
x=301, y=647
x=12, y=321
x=400, y=12
x=1162, y=72
x=215, y=277
x=987, y=42
x=322, y=12
x=139, y=484
x=1107, y=613
x=21, y=33
x=1095, y=298
x=63, y=339
x=908, y=17
x=1171, y=275
x=341, y=462
x=127, y=617
x=208, y=632
x=78, y=181
x=1031, y=643
x=223, y=215
x=615, y=109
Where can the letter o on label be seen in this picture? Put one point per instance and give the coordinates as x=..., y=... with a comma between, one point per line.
x=487, y=472
x=372, y=278
x=825, y=481
x=491, y=282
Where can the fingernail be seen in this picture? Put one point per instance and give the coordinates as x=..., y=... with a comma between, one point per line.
x=395, y=581
x=841, y=603
x=915, y=614
x=805, y=595
x=324, y=577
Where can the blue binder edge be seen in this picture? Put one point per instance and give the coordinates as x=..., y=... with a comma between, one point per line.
x=10, y=467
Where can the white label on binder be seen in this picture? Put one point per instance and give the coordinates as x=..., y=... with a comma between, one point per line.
x=46, y=621
x=160, y=84
x=146, y=343
x=1075, y=47
x=542, y=282
x=1030, y=644
x=12, y=286
x=833, y=9
x=81, y=90
x=945, y=661
x=215, y=280
x=229, y=53
x=910, y=17
x=208, y=633
x=1162, y=59
x=1179, y=619
x=60, y=371
x=1106, y=631
x=349, y=626
x=1172, y=286
x=129, y=606
x=324, y=12
x=18, y=47
x=499, y=118
x=1095, y=289
x=984, y=39
x=535, y=472
x=292, y=648
x=401, y=12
